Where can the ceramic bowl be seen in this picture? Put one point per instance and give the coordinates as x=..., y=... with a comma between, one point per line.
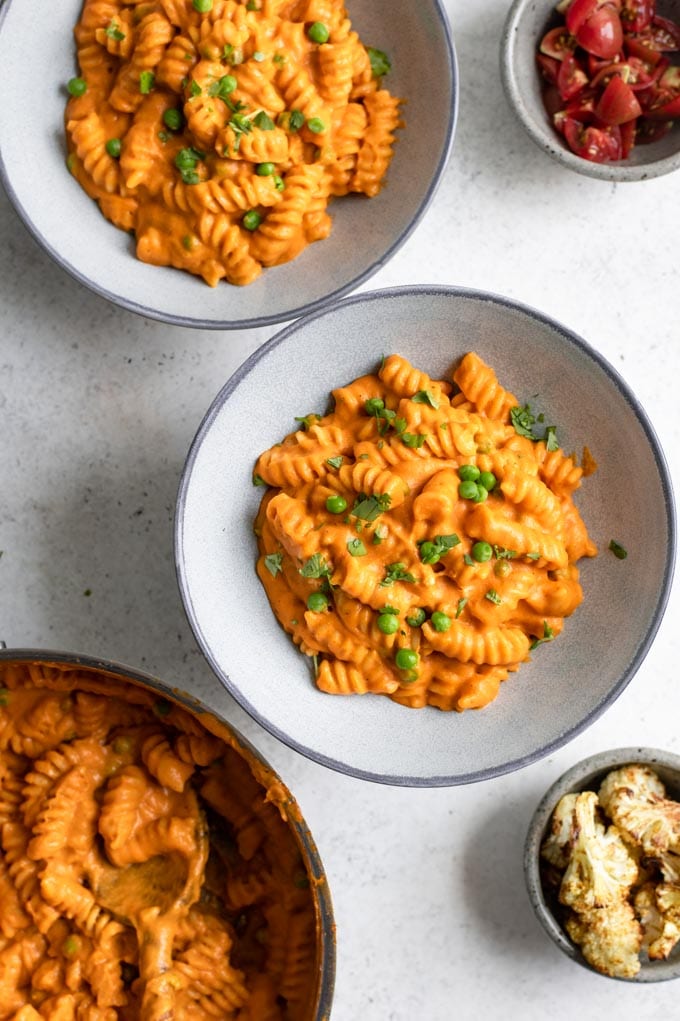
x=603, y=644
x=526, y=23
x=104, y=676
x=588, y=775
x=366, y=233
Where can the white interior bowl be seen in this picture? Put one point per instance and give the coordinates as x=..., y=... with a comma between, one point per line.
x=550, y=699
x=366, y=232
x=525, y=26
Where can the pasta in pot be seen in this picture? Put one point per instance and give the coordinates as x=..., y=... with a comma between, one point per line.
x=419, y=541
x=217, y=131
x=107, y=793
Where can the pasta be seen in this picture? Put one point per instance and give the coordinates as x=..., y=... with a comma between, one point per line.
x=217, y=131
x=147, y=869
x=420, y=540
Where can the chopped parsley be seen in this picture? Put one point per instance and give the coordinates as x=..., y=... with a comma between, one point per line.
x=113, y=31
x=258, y=480
x=274, y=563
x=380, y=62
x=263, y=121
x=413, y=439
x=462, y=603
x=501, y=553
x=548, y=635
x=369, y=507
x=493, y=596
x=619, y=551
x=396, y=572
x=335, y=462
x=223, y=87
x=523, y=421
x=425, y=397
x=315, y=567
x=307, y=420
x=356, y=548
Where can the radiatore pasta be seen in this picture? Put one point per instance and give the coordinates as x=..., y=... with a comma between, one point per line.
x=420, y=541
x=217, y=131
x=148, y=871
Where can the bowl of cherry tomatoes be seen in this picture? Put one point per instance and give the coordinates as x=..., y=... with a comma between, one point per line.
x=596, y=83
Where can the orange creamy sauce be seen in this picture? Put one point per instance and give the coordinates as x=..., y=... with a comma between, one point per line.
x=268, y=126
x=147, y=869
x=398, y=469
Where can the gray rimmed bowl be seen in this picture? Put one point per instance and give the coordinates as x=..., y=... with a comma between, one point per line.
x=560, y=693
x=366, y=232
x=526, y=23
x=587, y=775
x=98, y=672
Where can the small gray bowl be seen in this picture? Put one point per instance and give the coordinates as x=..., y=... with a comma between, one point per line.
x=527, y=22
x=587, y=775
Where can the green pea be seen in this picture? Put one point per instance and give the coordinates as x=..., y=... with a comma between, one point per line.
x=481, y=494
x=406, y=659
x=252, y=219
x=202, y=6
x=317, y=602
x=318, y=32
x=468, y=490
x=336, y=504
x=186, y=159
x=488, y=480
x=316, y=125
x=388, y=623
x=481, y=552
x=113, y=148
x=468, y=472
x=77, y=86
x=416, y=618
x=440, y=621
x=265, y=169
x=173, y=119
x=429, y=552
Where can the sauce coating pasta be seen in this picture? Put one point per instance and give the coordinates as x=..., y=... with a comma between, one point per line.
x=109, y=796
x=418, y=541
x=217, y=131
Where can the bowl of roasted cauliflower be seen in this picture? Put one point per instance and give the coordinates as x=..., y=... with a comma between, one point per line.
x=602, y=864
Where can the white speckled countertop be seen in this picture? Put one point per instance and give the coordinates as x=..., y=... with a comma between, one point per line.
x=97, y=410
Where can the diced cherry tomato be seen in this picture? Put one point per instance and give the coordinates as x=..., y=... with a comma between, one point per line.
x=582, y=108
x=667, y=107
x=628, y=133
x=637, y=48
x=597, y=144
x=618, y=103
x=548, y=67
x=557, y=43
x=601, y=33
x=552, y=101
x=670, y=79
x=595, y=64
x=571, y=78
x=651, y=131
x=662, y=35
x=577, y=12
x=636, y=15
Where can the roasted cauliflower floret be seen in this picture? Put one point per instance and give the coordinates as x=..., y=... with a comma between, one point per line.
x=556, y=847
x=610, y=938
x=635, y=800
x=658, y=908
x=601, y=869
